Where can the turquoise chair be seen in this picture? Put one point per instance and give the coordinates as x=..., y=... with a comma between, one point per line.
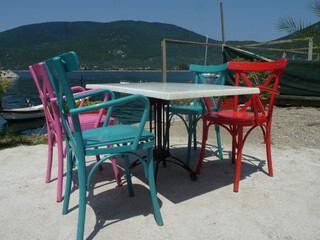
x=110, y=141
x=195, y=111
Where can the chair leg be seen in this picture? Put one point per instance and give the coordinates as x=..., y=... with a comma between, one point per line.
x=128, y=175
x=68, y=184
x=234, y=145
x=82, y=199
x=98, y=159
x=50, y=154
x=203, y=145
x=60, y=168
x=219, y=141
x=194, y=128
x=239, y=156
x=166, y=136
x=269, y=159
x=190, y=131
x=116, y=171
x=153, y=190
x=65, y=152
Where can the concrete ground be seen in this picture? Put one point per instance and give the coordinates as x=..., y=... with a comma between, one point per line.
x=285, y=206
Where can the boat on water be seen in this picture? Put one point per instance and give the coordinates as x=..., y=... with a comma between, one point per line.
x=8, y=74
x=210, y=75
x=27, y=113
x=124, y=81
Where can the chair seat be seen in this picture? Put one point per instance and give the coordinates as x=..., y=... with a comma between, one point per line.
x=234, y=118
x=88, y=121
x=111, y=135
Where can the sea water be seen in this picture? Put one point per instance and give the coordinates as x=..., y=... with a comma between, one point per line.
x=24, y=87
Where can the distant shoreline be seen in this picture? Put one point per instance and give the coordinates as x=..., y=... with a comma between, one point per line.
x=116, y=70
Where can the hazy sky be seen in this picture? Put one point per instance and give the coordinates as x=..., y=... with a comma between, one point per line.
x=243, y=19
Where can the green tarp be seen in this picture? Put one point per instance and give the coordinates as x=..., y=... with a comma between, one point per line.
x=300, y=78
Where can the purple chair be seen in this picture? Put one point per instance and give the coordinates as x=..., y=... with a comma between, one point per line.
x=54, y=127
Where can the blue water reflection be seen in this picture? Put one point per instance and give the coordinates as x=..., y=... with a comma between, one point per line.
x=24, y=87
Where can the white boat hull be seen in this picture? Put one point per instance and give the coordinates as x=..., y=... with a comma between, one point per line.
x=210, y=75
x=22, y=113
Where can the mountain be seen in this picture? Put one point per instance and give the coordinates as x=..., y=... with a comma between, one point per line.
x=114, y=45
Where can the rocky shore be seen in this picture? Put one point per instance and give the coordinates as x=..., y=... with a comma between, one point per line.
x=295, y=127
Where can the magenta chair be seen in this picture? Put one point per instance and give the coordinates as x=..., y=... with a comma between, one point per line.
x=54, y=127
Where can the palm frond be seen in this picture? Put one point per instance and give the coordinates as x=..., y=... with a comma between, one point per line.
x=315, y=7
x=298, y=27
x=291, y=25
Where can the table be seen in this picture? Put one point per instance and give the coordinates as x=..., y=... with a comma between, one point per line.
x=160, y=94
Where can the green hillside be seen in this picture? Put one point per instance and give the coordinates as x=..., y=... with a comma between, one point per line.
x=121, y=44
x=114, y=45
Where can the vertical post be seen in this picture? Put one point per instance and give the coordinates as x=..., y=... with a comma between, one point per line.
x=164, y=60
x=310, y=48
x=222, y=23
x=205, y=55
x=284, y=54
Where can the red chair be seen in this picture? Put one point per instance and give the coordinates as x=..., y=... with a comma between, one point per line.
x=234, y=121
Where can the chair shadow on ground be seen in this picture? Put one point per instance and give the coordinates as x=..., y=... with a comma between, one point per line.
x=175, y=184
x=111, y=203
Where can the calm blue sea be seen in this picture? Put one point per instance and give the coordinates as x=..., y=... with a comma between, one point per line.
x=24, y=87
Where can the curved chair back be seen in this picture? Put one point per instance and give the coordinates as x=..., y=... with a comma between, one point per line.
x=219, y=74
x=45, y=90
x=64, y=94
x=247, y=74
x=57, y=69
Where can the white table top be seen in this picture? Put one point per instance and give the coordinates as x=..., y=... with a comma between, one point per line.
x=172, y=91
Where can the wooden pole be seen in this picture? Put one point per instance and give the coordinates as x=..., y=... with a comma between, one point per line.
x=164, y=60
x=222, y=23
x=205, y=55
x=190, y=42
x=310, y=48
x=273, y=42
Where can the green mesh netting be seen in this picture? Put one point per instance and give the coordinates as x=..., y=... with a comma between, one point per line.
x=300, y=78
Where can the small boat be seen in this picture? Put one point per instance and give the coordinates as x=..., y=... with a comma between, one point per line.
x=210, y=75
x=32, y=112
x=124, y=82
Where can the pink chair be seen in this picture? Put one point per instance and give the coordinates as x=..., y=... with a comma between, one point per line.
x=54, y=127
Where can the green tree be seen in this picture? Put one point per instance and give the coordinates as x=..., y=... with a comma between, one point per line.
x=183, y=66
x=299, y=27
x=3, y=86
